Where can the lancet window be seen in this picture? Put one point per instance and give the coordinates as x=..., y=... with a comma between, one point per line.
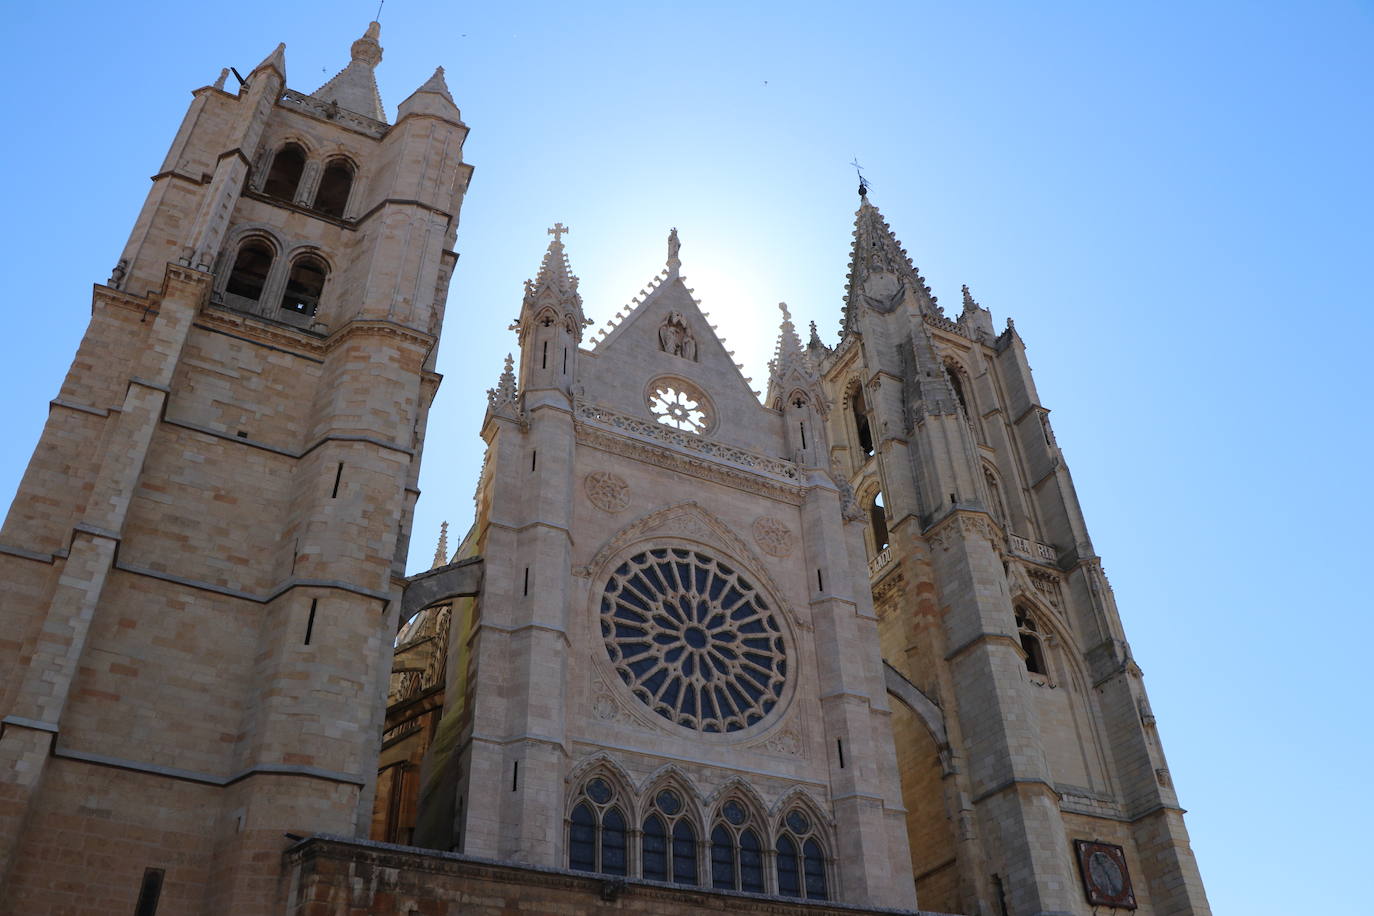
x=736, y=853
x=862, y=430
x=596, y=832
x=877, y=518
x=668, y=849
x=801, y=859
x=284, y=176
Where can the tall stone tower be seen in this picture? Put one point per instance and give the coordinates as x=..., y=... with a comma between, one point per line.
x=201, y=565
x=672, y=672
x=1032, y=775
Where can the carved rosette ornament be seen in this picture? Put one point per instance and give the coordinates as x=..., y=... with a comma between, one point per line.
x=608, y=492
x=773, y=536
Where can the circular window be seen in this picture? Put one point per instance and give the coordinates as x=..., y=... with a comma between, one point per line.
x=679, y=405
x=693, y=640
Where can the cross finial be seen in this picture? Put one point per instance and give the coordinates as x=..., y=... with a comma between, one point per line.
x=557, y=232
x=863, y=182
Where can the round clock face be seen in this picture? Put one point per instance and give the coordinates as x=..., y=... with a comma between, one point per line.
x=1106, y=874
x=693, y=640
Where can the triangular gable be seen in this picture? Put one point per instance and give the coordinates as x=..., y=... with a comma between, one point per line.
x=667, y=335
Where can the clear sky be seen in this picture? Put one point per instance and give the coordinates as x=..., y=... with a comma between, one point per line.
x=1173, y=200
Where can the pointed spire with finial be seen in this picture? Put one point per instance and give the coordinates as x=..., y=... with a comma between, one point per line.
x=441, y=550
x=354, y=88
x=880, y=271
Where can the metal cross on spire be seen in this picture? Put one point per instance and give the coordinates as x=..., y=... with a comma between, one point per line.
x=557, y=232
x=863, y=182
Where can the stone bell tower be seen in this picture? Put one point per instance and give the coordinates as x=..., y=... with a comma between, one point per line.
x=201, y=566
x=1033, y=777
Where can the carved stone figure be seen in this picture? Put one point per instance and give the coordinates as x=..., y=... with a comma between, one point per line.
x=676, y=338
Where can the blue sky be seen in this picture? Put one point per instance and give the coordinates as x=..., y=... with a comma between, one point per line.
x=1171, y=199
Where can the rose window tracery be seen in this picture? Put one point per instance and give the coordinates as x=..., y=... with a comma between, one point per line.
x=693, y=640
x=678, y=406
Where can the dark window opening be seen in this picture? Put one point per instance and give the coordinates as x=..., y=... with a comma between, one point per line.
x=249, y=274
x=335, y=185
x=149, y=892
x=877, y=517
x=310, y=621
x=839, y=748
x=544, y=356
x=789, y=883
x=1030, y=642
x=304, y=285
x=285, y=174
x=565, y=360
x=515, y=776
x=684, y=854
x=861, y=426
x=813, y=870
x=802, y=427
x=957, y=386
x=654, y=853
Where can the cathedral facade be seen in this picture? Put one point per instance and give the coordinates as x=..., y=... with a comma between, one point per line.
x=846, y=647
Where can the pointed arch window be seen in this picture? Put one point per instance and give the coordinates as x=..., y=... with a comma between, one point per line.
x=669, y=844
x=862, y=429
x=304, y=285
x=249, y=273
x=284, y=176
x=335, y=185
x=801, y=859
x=736, y=853
x=596, y=830
x=1031, y=644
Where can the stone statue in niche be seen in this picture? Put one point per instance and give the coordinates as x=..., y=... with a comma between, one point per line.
x=676, y=338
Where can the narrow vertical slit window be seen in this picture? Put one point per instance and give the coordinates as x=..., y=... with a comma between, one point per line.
x=527, y=580
x=544, y=356
x=338, y=475
x=802, y=426
x=534, y=458
x=515, y=776
x=149, y=892
x=839, y=747
x=820, y=582
x=565, y=360
x=310, y=620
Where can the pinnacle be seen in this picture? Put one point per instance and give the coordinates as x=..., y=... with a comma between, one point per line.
x=276, y=60
x=354, y=88
x=787, y=356
x=441, y=549
x=554, y=270
x=437, y=84
x=969, y=302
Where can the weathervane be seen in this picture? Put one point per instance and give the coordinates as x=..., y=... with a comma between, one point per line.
x=863, y=182
x=381, y=4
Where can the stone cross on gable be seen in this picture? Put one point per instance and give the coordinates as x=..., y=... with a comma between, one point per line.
x=557, y=232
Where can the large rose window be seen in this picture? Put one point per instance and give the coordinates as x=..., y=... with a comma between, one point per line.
x=693, y=640
x=680, y=406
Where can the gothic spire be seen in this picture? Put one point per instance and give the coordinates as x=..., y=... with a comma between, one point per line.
x=354, y=88
x=880, y=272
x=505, y=395
x=556, y=284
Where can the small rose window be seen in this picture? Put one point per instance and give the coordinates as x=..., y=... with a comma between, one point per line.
x=678, y=405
